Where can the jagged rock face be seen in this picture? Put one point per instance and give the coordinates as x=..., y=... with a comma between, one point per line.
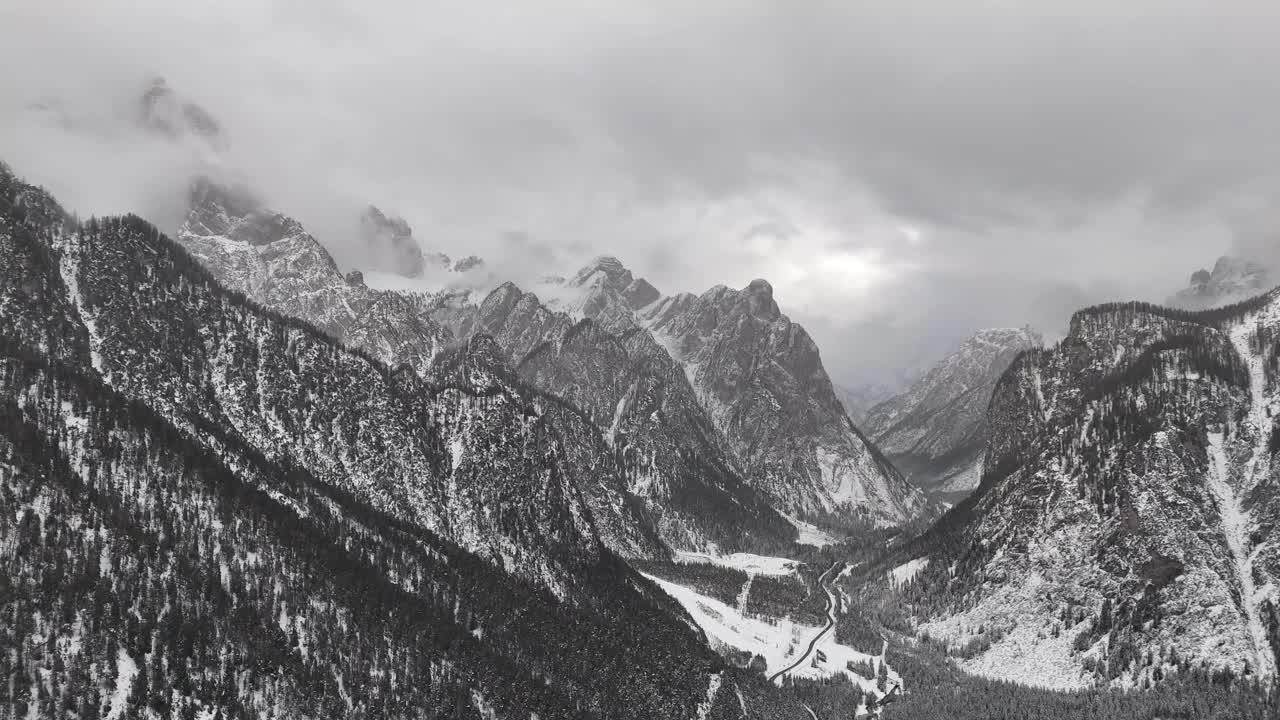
x=163, y=111
x=605, y=291
x=193, y=480
x=640, y=293
x=390, y=246
x=761, y=378
x=1232, y=280
x=449, y=453
x=1127, y=505
x=673, y=464
x=673, y=459
x=936, y=431
x=270, y=258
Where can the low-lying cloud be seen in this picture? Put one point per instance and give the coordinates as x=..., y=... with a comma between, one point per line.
x=903, y=172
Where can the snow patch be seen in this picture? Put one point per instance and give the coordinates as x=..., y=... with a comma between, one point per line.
x=1028, y=654
x=668, y=343
x=126, y=669
x=902, y=575
x=811, y=534
x=778, y=644
x=746, y=562
x=745, y=593
x=457, y=450
x=620, y=412
x=68, y=271
x=73, y=420
x=713, y=687
x=482, y=706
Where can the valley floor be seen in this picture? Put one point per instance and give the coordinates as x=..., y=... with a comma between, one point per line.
x=788, y=645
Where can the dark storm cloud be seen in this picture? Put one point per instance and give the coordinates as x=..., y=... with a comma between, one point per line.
x=904, y=172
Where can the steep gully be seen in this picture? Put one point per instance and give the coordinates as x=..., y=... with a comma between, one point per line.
x=1236, y=519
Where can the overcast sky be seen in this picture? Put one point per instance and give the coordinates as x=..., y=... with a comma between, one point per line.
x=903, y=171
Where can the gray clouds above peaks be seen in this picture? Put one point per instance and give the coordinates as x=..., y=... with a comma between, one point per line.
x=903, y=172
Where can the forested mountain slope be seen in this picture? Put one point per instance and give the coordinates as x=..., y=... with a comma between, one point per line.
x=789, y=438
x=208, y=506
x=1124, y=529
x=636, y=404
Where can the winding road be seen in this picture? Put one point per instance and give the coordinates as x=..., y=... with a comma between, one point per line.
x=823, y=580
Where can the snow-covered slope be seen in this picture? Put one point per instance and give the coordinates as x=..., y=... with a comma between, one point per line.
x=936, y=431
x=603, y=290
x=779, y=642
x=1123, y=530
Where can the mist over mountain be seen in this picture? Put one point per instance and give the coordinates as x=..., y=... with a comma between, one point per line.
x=703, y=361
x=897, y=224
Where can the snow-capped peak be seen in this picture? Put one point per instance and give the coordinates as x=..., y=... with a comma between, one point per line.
x=604, y=290
x=602, y=270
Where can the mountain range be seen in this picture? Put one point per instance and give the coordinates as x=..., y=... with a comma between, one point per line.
x=268, y=504
x=239, y=480
x=426, y=443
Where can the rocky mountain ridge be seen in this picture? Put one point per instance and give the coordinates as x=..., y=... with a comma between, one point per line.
x=1122, y=532
x=760, y=378
x=645, y=409
x=284, y=522
x=288, y=271
x=273, y=260
x=808, y=444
